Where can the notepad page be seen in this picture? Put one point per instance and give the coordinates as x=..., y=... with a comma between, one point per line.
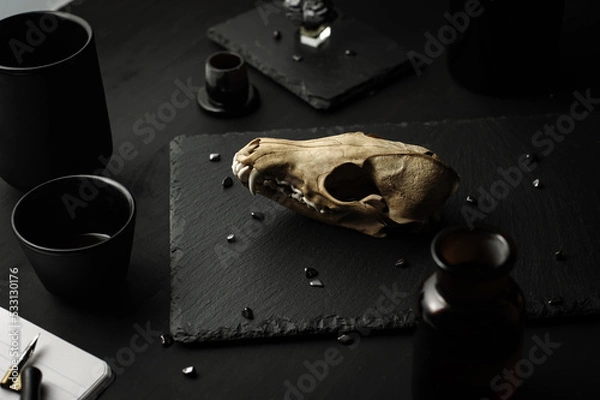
x=68, y=372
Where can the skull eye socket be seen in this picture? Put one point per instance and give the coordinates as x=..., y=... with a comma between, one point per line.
x=349, y=182
x=429, y=153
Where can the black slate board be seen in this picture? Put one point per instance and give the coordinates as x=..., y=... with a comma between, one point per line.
x=326, y=77
x=213, y=280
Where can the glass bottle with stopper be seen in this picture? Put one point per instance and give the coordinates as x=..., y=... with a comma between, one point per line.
x=470, y=316
x=315, y=18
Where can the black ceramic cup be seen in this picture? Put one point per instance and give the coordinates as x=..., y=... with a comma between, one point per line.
x=227, y=79
x=227, y=90
x=77, y=233
x=53, y=115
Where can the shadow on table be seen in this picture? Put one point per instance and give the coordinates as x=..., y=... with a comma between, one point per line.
x=115, y=301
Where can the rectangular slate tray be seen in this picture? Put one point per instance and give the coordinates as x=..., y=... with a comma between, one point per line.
x=212, y=280
x=325, y=77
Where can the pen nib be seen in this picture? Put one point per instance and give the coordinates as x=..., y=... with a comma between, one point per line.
x=8, y=382
x=28, y=352
x=34, y=341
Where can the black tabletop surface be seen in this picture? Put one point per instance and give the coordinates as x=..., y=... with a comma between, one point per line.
x=147, y=51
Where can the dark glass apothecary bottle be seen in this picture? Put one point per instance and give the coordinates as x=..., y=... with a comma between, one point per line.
x=470, y=316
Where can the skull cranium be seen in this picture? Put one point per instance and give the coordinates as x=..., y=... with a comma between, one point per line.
x=352, y=180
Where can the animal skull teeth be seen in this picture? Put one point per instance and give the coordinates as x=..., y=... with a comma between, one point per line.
x=252, y=178
x=351, y=180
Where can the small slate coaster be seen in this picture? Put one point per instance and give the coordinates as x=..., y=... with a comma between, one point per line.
x=324, y=77
x=212, y=280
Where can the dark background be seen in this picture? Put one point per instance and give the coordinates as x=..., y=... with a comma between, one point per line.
x=144, y=47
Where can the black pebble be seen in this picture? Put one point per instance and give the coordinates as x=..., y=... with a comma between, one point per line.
x=214, y=157
x=190, y=371
x=346, y=340
x=531, y=157
x=555, y=301
x=317, y=283
x=248, y=313
x=258, y=215
x=350, y=53
x=166, y=340
x=310, y=272
x=297, y=58
x=401, y=263
x=231, y=238
x=227, y=182
x=276, y=35
x=559, y=256
x=471, y=200
x=537, y=184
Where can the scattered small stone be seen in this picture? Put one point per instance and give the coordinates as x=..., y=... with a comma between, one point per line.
x=297, y=58
x=190, y=371
x=258, y=215
x=227, y=182
x=559, y=255
x=214, y=157
x=166, y=340
x=346, y=340
x=276, y=35
x=555, y=301
x=401, y=263
x=248, y=313
x=316, y=283
x=310, y=272
x=537, y=184
x=350, y=53
x=532, y=157
x=472, y=200
x=231, y=238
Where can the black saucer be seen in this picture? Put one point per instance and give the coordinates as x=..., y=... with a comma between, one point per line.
x=220, y=111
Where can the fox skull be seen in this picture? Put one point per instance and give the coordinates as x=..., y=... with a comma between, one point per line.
x=352, y=180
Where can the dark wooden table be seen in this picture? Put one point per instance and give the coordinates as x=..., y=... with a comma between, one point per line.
x=147, y=49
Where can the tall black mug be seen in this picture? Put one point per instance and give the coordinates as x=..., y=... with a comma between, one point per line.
x=53, y=115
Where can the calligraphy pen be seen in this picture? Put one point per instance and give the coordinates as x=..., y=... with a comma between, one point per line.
x=28, y=382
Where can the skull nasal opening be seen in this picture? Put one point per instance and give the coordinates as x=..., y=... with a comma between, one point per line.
x=349, y=182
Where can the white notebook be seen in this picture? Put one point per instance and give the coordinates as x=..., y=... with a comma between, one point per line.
x=68, y=372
